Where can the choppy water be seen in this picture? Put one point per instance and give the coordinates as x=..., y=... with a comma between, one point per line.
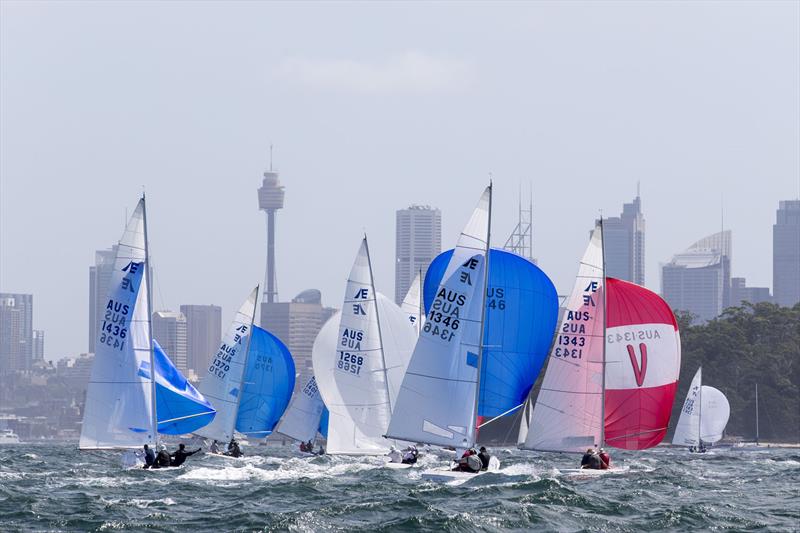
x=53, y=487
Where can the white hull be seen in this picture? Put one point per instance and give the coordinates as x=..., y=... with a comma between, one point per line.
x=593, y=472
x=9, y=437
x=440, y=475
x=398, y=466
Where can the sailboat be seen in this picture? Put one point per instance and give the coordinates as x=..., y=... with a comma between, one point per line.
x=249, y=380
x=359, y=366
x=127, y=403
x=438, y=400
x=521, y=315
x=704, y=415
x=303, y=418
x=752, y=446
x=613, y=370
x=412, y=304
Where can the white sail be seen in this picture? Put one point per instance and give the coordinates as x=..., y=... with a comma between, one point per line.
x=437, y=399
x=412, y=304
x=353, y=377
x=119, y=401
x=567, y=415
x=302, y=417
x=687, y=431
x=524, y=423
x=222, y=384
x=714, y=414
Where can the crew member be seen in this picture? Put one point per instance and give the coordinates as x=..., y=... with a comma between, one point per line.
x=394, y=455
x=162, y=459
x=149, y=456
x=233, y=449
x=484, y=457
x=214, y=448
x=180, y=455
x=410, y=456
x=605, y=460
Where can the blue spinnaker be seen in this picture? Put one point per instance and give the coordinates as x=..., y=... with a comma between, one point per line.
x=268, y=384
x=521, y=315
x=323, y=422
x=180, y=407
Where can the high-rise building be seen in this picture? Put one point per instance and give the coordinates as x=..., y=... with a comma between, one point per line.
x=203, y=335
x=698, y=279
x=418, y=241
x=38, y=345
x=99, y=280
x=270, y=199
x=623, y=239
x=16, y=331
x=297, y=323
x=786, y=254
x=169, y=329
x=740, y=292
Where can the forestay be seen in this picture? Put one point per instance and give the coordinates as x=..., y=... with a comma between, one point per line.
x=119, y=402
x=687, y=431
x=355, y=372
x=222, y=384
x=567, y=416
x=437, y=400
x=520, y=318
x=180, y=407
x=302, y=418
x=714, y=414
x=643, y=358
x=268, y=384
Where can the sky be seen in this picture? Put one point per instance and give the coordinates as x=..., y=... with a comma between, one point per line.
x=372, y=107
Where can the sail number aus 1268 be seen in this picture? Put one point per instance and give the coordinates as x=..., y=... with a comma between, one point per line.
x=350, y=363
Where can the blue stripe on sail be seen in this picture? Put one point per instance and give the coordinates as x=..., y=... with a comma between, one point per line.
x=521, y=315
x=144, y=370
x=179, y=405
x=234, y=392
x=268, y=384
x=472, y=359
x=323, y=422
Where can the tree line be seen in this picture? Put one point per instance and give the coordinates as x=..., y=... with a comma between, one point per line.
x=747, y=345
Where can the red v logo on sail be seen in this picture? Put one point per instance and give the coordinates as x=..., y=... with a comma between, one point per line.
x=638, y=371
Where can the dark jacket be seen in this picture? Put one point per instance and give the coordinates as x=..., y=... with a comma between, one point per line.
x=162, y=460
x=180, y=456
x=484, y=457
x=149, y=457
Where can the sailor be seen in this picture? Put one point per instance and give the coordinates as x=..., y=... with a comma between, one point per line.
x=303, y=447
x=484, y=457
x=394, y=455
x=180, y=455
x=469, y=462
x=587, y=458
x=149, y=456
x=233, y=449
x=162, y=459
x=214, y=448
x=321, y=450
x=410, y=455
x=605, y=460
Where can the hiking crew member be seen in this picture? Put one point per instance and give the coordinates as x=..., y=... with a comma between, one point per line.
x=149, y=456
x=181, y=454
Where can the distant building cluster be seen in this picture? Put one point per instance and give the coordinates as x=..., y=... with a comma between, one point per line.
x=21, y=346
x=418, y=241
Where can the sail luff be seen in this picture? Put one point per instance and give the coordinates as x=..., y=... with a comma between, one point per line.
x=378, y=320
x=244, y=363
x=150, y=322
x=482, y=301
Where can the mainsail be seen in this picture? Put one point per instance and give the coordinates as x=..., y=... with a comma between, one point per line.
x=613, y=370
x=302, y=419
x=360, y=371
x=412, y=304
x=715, y=413
x=521, y=314
x=568, y=411
x=438, y=398
x=687, y=431
x=268, y=384
x=222, y=384
x=119, y=411
x=180, y=407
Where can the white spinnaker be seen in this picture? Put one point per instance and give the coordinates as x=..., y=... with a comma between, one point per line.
x=352, y=378
x=222, y=384
x=714, y=414
x=436, y=403
x=567, y=416
x=301, y=419
x=412, y=304
x=687, y=431
x=119, y=406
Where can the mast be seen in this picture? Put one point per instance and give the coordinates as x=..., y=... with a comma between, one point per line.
x=603, y=366
x=244, y=363
x=700, y=412
x=150, y=324
x=756, y=414
x=483, y=316
x=378, y=320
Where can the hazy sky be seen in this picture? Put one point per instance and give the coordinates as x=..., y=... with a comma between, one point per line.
x=373, y=107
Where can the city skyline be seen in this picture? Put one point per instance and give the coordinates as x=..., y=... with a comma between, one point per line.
x=361, y=133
